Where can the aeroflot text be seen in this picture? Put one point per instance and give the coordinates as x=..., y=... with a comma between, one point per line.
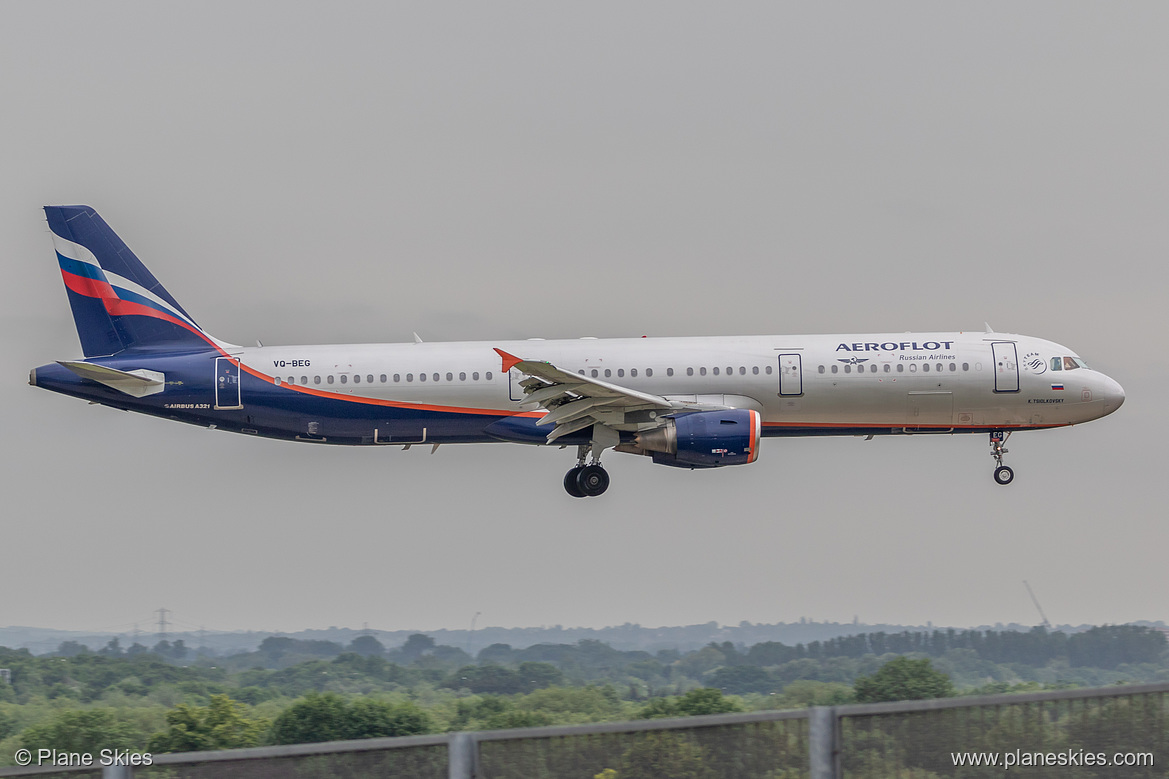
x=893, y=346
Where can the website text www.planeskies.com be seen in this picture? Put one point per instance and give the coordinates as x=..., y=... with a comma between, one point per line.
x=1021, y=758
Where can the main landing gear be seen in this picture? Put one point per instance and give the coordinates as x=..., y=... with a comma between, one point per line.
x=586, y=481
x=1003, y=473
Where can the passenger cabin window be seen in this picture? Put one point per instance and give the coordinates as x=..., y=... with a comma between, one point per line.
x=397, y=377
x=475, y=376
x=702, y=371
x=304, y=379
x=489, y=375
x=356, y=379
x=715, y=369
x=755, y=369
x=818, y=370
x=620, y=373
x=329, y=379
x=409, y=377
x=462, y=376
x=835, y=368
x=369, y=378
x=768, y=369
x=689, y=371
x=450, y=377
x=633, y=373
x=650, y=371
x=422, y=377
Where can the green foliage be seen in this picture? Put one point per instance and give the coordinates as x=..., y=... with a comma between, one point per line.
x=7, y=725
x=741, y=679
x=703, y=700
x=497, y=680
x=329, y=717
x=82, y=730
x=903, y=679
x=1114, y=645
x=367, y=646
x=804, y=693
x=223, y=724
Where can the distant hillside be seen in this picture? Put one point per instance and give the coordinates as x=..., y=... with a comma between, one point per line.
x=627, y=637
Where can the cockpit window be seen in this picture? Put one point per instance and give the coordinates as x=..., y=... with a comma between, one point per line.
x=1069, y=364
x=1057, y=363
x=1080, y=362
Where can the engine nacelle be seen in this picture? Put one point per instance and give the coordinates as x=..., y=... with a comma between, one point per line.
x=704, y=439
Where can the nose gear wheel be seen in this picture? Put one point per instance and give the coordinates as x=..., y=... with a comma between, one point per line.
x=1003, y=474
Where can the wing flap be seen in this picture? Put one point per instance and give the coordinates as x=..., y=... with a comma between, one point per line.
x=575, y=401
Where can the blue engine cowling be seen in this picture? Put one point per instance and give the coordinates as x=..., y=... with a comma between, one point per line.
x=705, y=439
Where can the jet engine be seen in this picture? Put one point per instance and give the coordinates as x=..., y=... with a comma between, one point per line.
x=702, y=439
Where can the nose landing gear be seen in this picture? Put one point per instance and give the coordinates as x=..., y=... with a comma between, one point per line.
x=586, y=481
x=1003, y=473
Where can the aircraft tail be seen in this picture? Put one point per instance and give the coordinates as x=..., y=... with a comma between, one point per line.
x=117, y=303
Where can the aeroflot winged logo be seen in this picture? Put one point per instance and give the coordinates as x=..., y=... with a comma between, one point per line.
x=853, y=360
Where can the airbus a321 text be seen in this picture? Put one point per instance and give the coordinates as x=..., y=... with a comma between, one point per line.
x=685, y=402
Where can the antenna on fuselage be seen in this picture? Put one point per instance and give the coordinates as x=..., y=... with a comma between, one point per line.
x=989, y=329
x=417, y=338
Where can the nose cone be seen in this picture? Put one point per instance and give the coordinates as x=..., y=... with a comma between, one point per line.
x=1113, y=395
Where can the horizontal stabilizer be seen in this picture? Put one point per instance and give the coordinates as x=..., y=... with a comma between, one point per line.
x=139, y=383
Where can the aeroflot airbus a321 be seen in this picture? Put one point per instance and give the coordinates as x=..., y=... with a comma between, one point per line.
x=685, y=402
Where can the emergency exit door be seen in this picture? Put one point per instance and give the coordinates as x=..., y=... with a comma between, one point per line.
x=791, y=375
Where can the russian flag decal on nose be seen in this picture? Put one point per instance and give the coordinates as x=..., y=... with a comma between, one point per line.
x=1057, y=386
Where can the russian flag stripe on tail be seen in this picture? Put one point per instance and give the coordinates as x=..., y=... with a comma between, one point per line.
x=117, y=303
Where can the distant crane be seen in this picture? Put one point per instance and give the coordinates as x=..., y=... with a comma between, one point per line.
x=1035, y=600
x=471, y=632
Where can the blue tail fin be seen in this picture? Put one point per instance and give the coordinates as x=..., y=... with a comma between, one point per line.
x=117, y=303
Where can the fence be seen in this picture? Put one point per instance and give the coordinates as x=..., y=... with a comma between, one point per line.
x=1100, y=733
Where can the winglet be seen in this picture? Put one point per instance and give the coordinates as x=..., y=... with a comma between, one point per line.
x=509, y=360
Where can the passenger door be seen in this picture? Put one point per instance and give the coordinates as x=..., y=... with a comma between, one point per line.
x=1006, y=366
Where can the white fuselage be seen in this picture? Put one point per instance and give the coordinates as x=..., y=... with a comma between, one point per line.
x=913, y=381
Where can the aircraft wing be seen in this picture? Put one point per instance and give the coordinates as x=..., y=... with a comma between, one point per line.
x=575, y=401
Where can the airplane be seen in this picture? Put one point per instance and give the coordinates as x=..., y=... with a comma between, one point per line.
x=689, y=402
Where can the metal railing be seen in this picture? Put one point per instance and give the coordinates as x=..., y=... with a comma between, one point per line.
x=909, y=740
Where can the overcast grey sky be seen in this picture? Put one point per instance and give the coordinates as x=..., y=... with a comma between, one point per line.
x=304, y=172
